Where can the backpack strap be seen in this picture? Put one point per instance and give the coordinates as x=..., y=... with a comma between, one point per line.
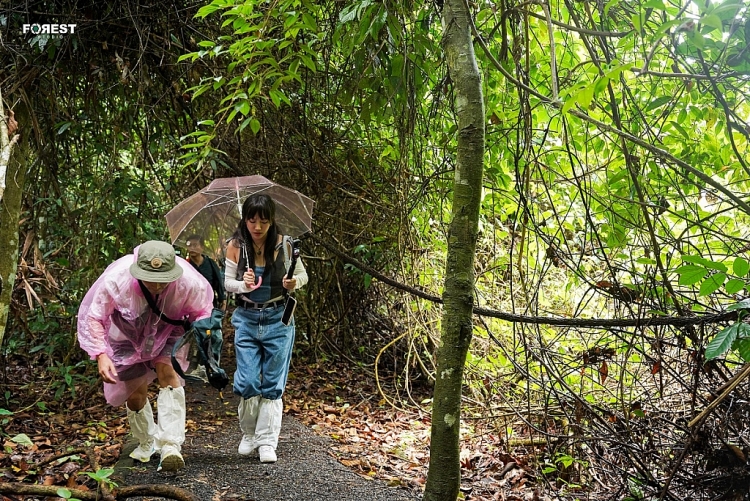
x=152, y=304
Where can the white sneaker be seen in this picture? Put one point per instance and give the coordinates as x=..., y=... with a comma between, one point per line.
x=143, y=452
x=267, y=454
x=171, y=459
x=247, y=445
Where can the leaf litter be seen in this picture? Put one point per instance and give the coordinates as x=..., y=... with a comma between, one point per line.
x=368, y=436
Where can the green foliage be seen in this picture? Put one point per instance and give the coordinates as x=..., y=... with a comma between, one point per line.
x=66, y=494
x=266, y=54
x=22, y=439
x=735, y=336
x=67, y=377
x=712, y=275
x=102, y=475
x=726, y=338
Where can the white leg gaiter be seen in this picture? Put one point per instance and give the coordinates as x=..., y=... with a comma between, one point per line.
x=144, y=430
x=171, y=435
x=248, y=413
x=268, y=426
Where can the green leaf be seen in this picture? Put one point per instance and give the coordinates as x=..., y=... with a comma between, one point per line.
x=679, y=128
x=721, y=343
x=742, y=305
x=740, y=267
x=254, y=125
x=307, y=61
x=274, y=94
x=207, y=9
x=654, y=4
x=585, y=96
x=691, y=274
x=742, y=345
x=22, y=439
x=609, y=5
x=712, y=20
x=636, y=20
x=5, y=412
x=707, y=263
x=569, y=103
x=64, y=493
x=659, y=101
x=621, y=174
x=697, y=39
x=734, y=286
x=712, y=283
x=63, y=127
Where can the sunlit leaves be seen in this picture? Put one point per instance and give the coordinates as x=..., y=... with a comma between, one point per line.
x=740, y=267
x=734, y=285
x=712, y=284
x=691, y=274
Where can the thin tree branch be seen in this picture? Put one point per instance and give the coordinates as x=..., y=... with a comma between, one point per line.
x=537, y=320
x=583, y=31
x=553, y=57
x=685, y=76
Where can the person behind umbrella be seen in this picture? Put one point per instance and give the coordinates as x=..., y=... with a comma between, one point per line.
x=208, y=268
x=132, y=343
x=263, y=344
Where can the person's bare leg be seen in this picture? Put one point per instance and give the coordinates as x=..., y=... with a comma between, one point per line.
x=167, y=376
x=138, y=398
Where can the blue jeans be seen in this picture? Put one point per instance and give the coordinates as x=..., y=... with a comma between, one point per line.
x=263, y=347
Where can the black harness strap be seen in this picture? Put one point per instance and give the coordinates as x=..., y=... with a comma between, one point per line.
x=185, y=323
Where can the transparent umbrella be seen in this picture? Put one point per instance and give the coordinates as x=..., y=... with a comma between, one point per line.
x=214, y=211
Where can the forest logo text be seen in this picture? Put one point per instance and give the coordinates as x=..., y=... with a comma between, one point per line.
x=49, y=29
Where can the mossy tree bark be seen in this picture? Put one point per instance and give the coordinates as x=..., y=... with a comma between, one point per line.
x=10, y=212
x=444, y=476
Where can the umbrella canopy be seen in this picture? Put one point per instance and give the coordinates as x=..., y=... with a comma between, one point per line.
x=215, y=211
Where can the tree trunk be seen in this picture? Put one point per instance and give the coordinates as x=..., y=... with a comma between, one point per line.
x=444, y=475
x=7, y=140
x=10, y=211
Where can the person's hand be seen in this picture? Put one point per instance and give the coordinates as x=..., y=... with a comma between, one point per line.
x=249, y=278
x=106, y=368
x=289, y=283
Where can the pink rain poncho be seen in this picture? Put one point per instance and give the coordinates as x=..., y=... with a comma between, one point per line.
x=114, y=318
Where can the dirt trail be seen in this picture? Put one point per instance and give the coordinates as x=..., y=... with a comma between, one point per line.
x=305, y=470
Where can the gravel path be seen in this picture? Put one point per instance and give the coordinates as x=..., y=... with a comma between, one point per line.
x=214, y=471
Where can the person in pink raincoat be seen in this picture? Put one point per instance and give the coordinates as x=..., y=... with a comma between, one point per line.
x=132, y=343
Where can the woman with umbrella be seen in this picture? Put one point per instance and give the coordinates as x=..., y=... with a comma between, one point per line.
x=256, y=268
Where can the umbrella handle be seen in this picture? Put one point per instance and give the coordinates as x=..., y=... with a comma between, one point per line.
x=260, y=281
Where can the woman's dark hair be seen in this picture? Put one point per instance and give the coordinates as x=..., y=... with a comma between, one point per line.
x=263, y=206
